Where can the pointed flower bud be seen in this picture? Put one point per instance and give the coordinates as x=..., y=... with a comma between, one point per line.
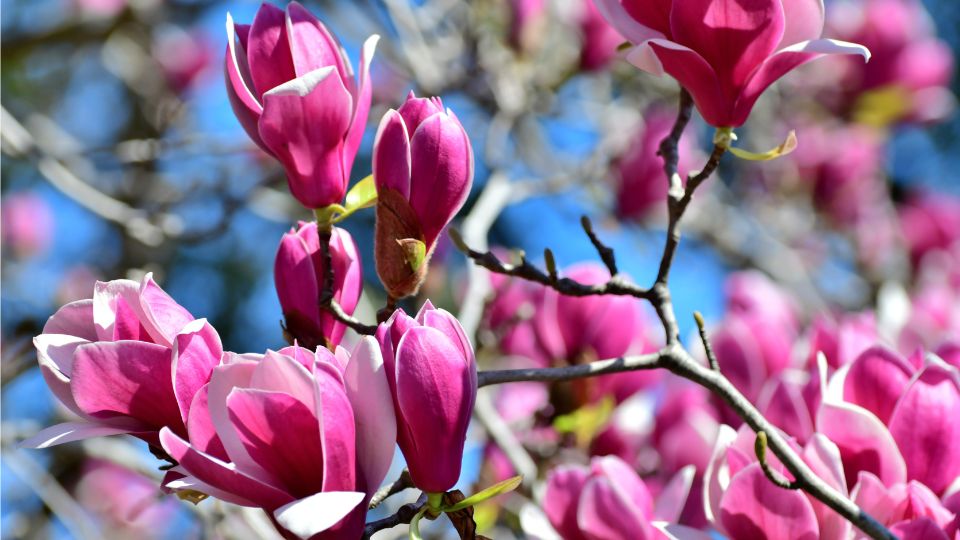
x=298, y=273
x=423, y=168
x=293, y=89
x=433, y=378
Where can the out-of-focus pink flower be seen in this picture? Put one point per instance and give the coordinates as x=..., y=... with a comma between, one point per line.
x=895, y=421
x=527, y=21
x=790, y=402
x=609, y=500
x=127, y=504
x=930, y=222
x=575, y=330
x=183, y=56
x=752, y=294
x=27, y=224
x=423, y=169
x=642, y=186
x=842, y=166
x=751, y=349
x=685, y=427
x=306, y=436
x=599, y=39
x=910, y=509
x=841, y=339
x=127, y=361
x=298, y=273
x=908, y=59
x=724, y=52
x=433, y=379
x=743, y=504
x=293, y=89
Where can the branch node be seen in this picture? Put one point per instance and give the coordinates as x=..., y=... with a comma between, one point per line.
x=760, y=448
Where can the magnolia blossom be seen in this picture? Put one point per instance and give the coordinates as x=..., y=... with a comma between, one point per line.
x=293, y=89
x=432, y=375
x=306, y=436
x=724, y=52
x=423, y=169
x=894, y=417
x=930, y=222
x=910, y=510
x=129, y=360
x=608, y=500
x=26, y=224
x=744, y=504
x=127, y=504
x=183, y=56
x=299, y=273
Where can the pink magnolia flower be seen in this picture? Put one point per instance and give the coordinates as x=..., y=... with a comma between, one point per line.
x=183, y=55
x=744, y=504
x=599, y=39
x=609, y=501
x=752, y=294
x=724, y=52
x=298, y=273
x=127, y=361
x=843, y=166
x=575, y=330
x=894, y=419
x=306, y=436
x=432, y=374
x=930, y=222
x=910, y=510
x=292, y=87
x=127, y=504
x=841, y=339
x=908, y=58
x=752, y=349
x=423, y=169
x=642, y=186
x=26, y=224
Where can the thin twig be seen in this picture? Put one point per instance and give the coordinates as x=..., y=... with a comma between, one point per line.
x=606, y=253
x=401, y=483
x=760, y=449
x=578, y=371
x=326, y=300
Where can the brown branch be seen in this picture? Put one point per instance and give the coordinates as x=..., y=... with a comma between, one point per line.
x=327, y=302
x=401, y=483
x=707, y=348
x=403, y=515
x=606, y=253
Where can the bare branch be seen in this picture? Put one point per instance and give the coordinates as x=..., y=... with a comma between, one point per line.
x=401, y=483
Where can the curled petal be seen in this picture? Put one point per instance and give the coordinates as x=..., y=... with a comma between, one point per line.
x=73, y=319
x=864, y=442
x=754, y=507
x=560, y=498
x=246, y=106
x=637, y=20
x=391, y=154
x=314, y=514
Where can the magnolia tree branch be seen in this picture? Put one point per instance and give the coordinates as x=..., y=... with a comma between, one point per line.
x=673, y=356
x=327, y=301
x=403, y=515
x=402, y=482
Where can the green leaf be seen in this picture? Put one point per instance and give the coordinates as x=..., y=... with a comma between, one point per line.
x=507, y=485
x=415, y=524
x=786, y=147
x=328, y=215
x=415, y=252
x=362, y=195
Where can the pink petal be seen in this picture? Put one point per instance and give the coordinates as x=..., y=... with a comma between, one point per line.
x=268, y=49
x=716, y=478
x=733, y=36
x=224, y=379
x=282, y=435
x=365, y=381
x=876, y=380
x=164, y=318
x=823, y=457
x=673, y=497
x=391, y=154
x=441, y=173
x=783, y=62
x=55, y=356
x=72, y=431
x=73, y=319
x=803, y=21
x=296, y=281
x=304, y=123
x=361, y=104
x=606, y=513
x=196, y=351
x=875, y=498
x=560, y=499
x=689, y=68
x=314, y=514
x=312, y=46
x=337, y=430
x=415, y=111
x=919, y=529
x=754, y=507
x=627, y=483
x=864, y=442
x=435, y=396
x=246, y=106
x=203, y=434
x=108, y=298
x=637, y=20
x=783, y=404
x=126, y=378
x=280, y=373
x=347, y=278
x=223, y=476
x=925, y=427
